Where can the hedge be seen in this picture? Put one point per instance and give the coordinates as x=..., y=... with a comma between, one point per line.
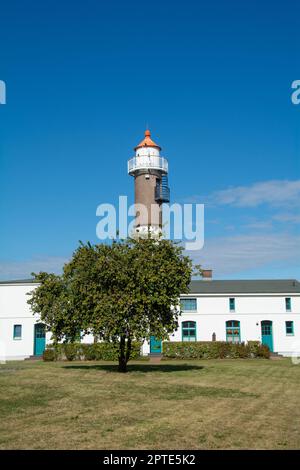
x=175, y=350
x=214, y=350
x=87, y=352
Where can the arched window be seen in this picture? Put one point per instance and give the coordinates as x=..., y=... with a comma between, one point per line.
x=189, y=331
x=233, y=331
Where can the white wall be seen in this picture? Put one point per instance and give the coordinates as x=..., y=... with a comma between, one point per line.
x=147, y=151
x=211, y=315
x=250, y=329
x=213, y=312
x=14, y=310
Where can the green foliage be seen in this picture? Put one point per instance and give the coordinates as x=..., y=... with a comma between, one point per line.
x=88, y=352
x=121, y=293
x=49, y=355
x=71, y=351
x=214, y=350
x=258, y=350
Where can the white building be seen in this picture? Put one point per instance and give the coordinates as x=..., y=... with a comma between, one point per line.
x=242, y=310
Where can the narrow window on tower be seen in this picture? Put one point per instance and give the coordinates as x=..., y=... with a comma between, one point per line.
x=232, y=304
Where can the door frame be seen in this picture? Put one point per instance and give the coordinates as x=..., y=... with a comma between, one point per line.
x=34, y=338
x=269, y=322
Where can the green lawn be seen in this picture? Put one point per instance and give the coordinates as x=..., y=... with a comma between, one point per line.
x=212, y=404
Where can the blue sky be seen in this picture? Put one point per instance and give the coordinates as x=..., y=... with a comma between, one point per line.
x=213, y=82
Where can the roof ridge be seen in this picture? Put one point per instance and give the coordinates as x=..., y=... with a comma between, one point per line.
x=19, y=281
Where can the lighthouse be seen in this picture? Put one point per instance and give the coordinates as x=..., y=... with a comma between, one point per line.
x=151, y=190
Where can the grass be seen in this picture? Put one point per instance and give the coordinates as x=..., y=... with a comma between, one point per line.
x=212, y=404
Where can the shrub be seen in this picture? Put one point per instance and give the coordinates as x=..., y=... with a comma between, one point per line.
x=241, y=350
x=72, y=351
x=49, y=355
x=263, y=351
x=254, y=347
x=89, y=352
x=214, y=350
x=259, y=350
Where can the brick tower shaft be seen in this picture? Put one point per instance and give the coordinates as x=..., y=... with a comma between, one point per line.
x=150, y=172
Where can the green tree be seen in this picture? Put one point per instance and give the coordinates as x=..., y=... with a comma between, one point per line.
x=121, y=292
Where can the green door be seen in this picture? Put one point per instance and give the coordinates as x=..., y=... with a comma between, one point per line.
x=39, y=339
x=155, y=345
x=267, y=334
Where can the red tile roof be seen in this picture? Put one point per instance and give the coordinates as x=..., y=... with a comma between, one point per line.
x=147, y=142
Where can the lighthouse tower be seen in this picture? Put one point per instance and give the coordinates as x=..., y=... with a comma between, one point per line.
x=151, y=189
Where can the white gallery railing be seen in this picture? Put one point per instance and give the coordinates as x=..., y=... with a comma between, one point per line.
x=147, y=162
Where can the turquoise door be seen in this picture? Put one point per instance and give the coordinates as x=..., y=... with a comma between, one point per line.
x=39, y=339
x=155, y=345
x=267, y=334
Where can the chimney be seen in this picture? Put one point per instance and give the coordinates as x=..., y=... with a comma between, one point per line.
x=206, y=274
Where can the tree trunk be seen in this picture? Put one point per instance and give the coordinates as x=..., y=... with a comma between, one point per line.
x=128, y=350
x=122, y=355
